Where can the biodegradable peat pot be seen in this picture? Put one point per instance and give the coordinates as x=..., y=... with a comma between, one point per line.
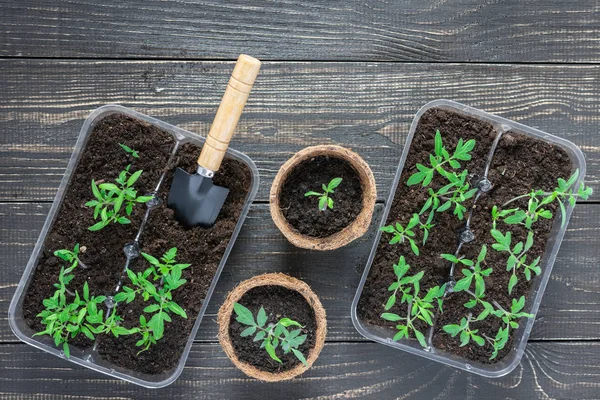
x=273, y=292
x=508, y=160
x=299, y=218
x=97, y=155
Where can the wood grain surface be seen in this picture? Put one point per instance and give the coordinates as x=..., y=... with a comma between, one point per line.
x=365, y=106
x=350, y=72
x=343, y=371
x=355, y=30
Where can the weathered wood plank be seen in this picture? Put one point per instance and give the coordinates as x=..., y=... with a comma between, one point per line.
x=415, y=30
x=344, y=370
x=569, y=309
x=368, y=107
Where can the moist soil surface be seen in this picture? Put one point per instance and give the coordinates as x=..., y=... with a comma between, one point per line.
x=102, y=158
x=303, y=213
x=278, y=302
x=520, y=163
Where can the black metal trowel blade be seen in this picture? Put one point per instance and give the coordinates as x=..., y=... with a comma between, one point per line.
x=195, y=199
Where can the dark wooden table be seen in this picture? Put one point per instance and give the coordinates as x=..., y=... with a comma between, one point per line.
x=346, y=72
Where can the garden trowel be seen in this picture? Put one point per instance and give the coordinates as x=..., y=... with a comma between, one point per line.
x=194, y=198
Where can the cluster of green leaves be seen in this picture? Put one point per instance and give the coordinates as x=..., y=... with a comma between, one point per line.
x=473, y=283
x=466, y=333
x=517, y=256
x=129, y=150
x=441, y=157
x=111, y=198
x=402, y=234
x=406, y=290
x=511, y=321
x=450, y=196
x=325, y=199
x=517, y=259
x=563, y=193
x=67, y=315
x=472, y=276
x=458, y=190
x=509, y=318
x=271, y=335
x=155, y=284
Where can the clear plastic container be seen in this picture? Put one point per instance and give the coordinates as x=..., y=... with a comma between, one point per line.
x=508, y=363
x=89, y=358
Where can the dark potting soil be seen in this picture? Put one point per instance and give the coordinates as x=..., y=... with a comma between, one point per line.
x=102, y=160
x=519, y=164
x=303, y=213
x=278, y=302
x=203, y=248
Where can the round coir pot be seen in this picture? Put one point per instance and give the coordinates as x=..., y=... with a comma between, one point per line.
x=354, y=199
x=269, y=288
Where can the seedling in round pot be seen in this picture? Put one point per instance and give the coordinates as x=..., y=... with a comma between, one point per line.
x=272, y=327
x=472, y=226
x=114, y=282
x=323, y=198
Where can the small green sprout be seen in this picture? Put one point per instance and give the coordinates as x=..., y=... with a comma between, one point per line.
x=402, y=233
x=110, y=198
x=517, y=256
x=325, y=199
x=71, y=257
x=510, y=319
x=425, y=227
x=474, y=273
x=442, y=157
x=418, y=307
x=129, y=150
x=466, y=333
x=167, y=275
x=271, y=335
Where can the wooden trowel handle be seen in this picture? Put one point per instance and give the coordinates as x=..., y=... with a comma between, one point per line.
x=233, y=102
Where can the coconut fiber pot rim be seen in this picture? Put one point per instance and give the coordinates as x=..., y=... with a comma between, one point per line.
x=271, y=279
x=356, y=229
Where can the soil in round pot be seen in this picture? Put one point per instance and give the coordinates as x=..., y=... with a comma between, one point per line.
x=282, y=298
x=202, y=248
x=303, y=213
x=520, y=163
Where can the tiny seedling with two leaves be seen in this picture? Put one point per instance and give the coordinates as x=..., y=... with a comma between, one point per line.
x=325, y=200
x=271, y=335
x=129, y=150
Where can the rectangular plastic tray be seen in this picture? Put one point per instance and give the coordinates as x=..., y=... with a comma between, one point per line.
x=508, y=363
x=85, y=358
